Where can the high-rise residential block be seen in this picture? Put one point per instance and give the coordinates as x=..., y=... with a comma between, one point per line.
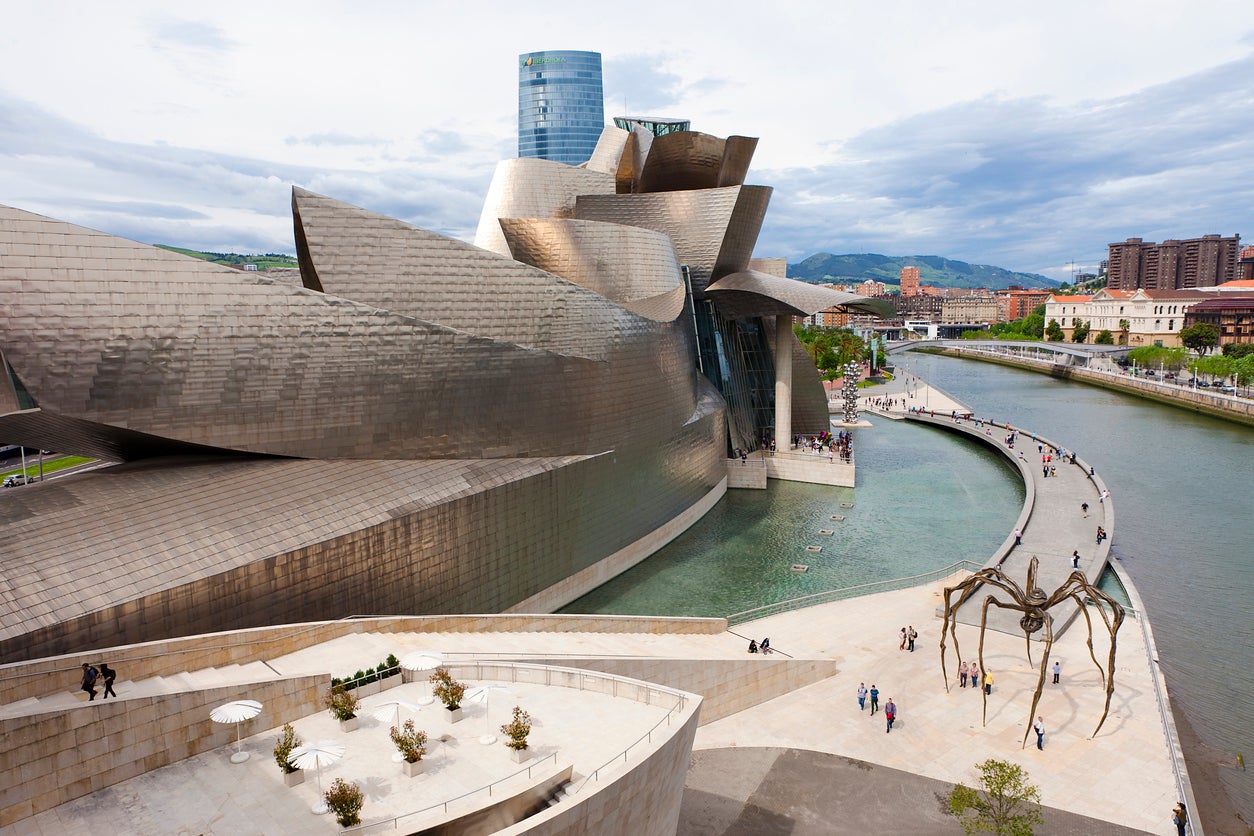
x=1173, y=264
x=909, y=281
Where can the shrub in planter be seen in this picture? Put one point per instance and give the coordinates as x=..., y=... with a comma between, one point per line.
x=341, y=704
x=411, y=743
x=517, y=730
x=447, y=689
x=345, y=801
x=392, y=665
x=283, y=747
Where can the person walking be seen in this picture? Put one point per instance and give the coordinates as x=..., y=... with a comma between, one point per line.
x=1179, y=817
x=1039, y=728
x=1018, y=537
x=975, y=676
x=108, y=674
x=862, y=696
x=1057, y=672
x=910, y=637
x=962, y=675
x=988, y=683
x=89, y=681
x=902, y=646
x=1084, y=510
x=890, y=714
x=1075, y=559
x=875, y=698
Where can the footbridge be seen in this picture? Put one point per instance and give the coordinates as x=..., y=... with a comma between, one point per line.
x=1063, y=353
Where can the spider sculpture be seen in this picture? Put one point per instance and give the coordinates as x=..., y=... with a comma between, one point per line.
x=1034, y=605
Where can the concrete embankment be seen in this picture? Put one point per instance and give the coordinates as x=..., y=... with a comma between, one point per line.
x=1240, y=410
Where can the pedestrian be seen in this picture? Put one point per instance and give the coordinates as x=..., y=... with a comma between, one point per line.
x=988, y=683
x=89, y=681
x=910, y=637
x=975, y=676
x=862, y=696
x=962, y=675
x=902, y=646
x=890, y=714
x=875, y=698
x=1018, y=537
x=1084, y=510
x=1057, y=672
x=1044, y=471
x=1179, y=816
x=744, y=456
x=765, y=646
x=1039, y=728
x=1053, y=470
x=108, y=674
x=753, y=646
x=1075, y=559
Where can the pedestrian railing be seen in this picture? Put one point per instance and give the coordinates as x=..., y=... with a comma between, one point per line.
x=852, y=592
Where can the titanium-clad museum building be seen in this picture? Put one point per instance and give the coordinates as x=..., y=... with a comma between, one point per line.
x=419, y=426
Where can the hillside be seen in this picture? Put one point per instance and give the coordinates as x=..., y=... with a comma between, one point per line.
x=933, y=270
x=264, y=262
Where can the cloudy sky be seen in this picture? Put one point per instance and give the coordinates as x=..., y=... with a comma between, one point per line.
x=1022, y=135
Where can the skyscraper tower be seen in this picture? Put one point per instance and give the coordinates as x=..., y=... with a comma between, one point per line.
x=561, y=105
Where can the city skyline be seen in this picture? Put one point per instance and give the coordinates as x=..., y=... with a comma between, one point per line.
x=989, y=135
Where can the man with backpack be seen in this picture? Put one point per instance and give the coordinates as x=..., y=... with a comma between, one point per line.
x=89, y=681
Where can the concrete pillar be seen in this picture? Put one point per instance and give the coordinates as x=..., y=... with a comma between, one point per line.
x=783, y=381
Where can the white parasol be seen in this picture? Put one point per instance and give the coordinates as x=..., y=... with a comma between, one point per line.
x=236, y=712
x=317, y=755
x=481, y=694
x=389, y=711
x=422, y=660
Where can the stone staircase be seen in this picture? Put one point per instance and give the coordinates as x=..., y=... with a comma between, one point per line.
x=177, y=683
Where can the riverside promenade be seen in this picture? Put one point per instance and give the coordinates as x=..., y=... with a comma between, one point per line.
x=782, y=748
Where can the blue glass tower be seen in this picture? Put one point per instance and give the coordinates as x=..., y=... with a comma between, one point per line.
x=561, y=106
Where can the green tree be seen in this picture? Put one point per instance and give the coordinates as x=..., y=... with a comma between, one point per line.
x=1053, y=331
x=1104, y=337
x=1236, y=350
x=1080, y=333
x=1005, y=802
x=1124, y=328
x=1243, y=369
x=1201, y=337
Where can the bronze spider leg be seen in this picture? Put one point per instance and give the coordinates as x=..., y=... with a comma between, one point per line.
x=1040, y=681
x=969, y=587
x=1112, y=623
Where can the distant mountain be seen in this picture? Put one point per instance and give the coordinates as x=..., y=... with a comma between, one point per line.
x=933, y=270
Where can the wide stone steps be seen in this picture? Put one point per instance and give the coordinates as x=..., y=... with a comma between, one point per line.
x=177, y=683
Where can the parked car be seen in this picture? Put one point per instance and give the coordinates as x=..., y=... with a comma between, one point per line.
x=1227, y=390
x=1202, y=384
x=17, y=479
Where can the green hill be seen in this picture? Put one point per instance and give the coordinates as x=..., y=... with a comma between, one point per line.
x=269, y=261
x=933, y=270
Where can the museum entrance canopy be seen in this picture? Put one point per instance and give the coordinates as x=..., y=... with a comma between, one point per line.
x=752, y=293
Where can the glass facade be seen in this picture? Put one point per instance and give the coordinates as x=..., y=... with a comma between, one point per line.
x=561, y=105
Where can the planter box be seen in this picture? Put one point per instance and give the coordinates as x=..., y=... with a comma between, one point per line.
x=453, y=714
x=294, y=778
x=519, y=755
x=412, y=769
x=350, y=725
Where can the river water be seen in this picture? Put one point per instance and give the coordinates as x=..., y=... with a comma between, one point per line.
x=1182, y=484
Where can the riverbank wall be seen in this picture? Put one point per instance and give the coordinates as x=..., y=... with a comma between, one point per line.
x=1238, y=410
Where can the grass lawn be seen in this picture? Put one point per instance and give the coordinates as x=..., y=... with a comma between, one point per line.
x=50, y=465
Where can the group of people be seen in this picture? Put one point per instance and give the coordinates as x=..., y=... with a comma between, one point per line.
x=764, y=647
x=890, y=708
x=91, y=676
x=908, y=635
x=972, y=673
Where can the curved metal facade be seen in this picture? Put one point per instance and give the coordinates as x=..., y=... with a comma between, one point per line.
x=421, y=425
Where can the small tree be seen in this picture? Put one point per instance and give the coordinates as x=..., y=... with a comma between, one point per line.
x=283, y=747
x=1053, y=332
x=345, y=800
x=447, y=689
x=1005, y=803
x=517, y=729
x=1080, y=333
x=1124, y=327
x=341, y=703
x=412, y=744
x=1105, y=337
x=1201, y=337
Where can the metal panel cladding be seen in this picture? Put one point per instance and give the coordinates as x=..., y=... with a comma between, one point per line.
x=561, y=106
